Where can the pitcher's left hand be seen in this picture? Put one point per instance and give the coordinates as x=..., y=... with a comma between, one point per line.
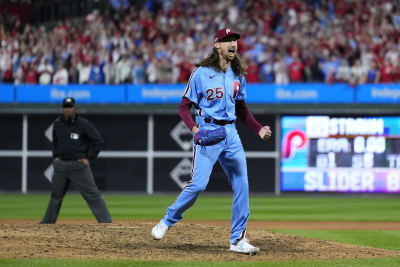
x=265, y=133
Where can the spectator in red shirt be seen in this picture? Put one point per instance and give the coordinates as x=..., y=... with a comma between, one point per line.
x=252, y=72
x=185, y=69
x=8, y=75
x=31, y=75
x=387, y=72
x=296, y=69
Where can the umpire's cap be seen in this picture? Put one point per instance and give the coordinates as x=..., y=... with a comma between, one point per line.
x=223, y=33
x=68, y=102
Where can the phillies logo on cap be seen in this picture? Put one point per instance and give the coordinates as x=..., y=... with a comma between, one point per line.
x=225, y=32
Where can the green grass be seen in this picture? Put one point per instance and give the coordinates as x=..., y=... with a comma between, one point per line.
x=211, y=207
x=369, y=238
x=129, y=207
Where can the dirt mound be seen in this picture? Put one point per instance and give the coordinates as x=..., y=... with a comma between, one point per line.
x=189, y=241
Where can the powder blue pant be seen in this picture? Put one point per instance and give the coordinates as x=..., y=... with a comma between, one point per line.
x=231, y=156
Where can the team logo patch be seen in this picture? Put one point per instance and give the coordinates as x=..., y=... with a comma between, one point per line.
x=228, y=31
x=236, y=86
x=74, y=136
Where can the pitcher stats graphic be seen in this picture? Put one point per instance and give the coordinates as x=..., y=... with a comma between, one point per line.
x=340, y=154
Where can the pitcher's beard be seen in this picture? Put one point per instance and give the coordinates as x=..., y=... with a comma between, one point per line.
x=228, y=58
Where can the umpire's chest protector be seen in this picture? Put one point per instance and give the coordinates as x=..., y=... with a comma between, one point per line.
x=215, y=92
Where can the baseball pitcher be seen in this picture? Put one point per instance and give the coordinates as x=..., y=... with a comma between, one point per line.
x=217, y=90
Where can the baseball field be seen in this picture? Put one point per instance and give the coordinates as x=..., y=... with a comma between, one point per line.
x=289, y=230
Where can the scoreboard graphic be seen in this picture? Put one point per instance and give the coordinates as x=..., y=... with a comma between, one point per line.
x=340, y=154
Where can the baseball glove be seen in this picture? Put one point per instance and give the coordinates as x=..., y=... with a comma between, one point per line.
x=210, y=137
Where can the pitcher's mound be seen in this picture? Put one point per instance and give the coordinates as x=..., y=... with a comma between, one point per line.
x=183, y=242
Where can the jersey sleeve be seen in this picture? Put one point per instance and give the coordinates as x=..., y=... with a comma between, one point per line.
x=184, y=112
x=242, y=89
x=193, y=88
x=246, y=117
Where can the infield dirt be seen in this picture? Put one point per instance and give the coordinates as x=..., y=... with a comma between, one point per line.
x=199, y=241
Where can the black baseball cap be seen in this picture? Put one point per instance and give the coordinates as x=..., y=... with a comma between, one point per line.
x=68, y=102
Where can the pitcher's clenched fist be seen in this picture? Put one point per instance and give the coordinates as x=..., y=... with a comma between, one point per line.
x=265, y=133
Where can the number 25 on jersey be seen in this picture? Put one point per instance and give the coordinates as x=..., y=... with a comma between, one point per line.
x=212, y=94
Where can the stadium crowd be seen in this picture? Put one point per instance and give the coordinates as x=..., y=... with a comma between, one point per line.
x=283, y=41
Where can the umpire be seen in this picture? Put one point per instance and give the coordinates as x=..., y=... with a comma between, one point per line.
x=75, y=142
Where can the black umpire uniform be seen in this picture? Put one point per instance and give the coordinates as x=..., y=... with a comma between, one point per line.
x=75, y=142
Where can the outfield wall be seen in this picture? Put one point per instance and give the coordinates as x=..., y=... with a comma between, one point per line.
x=144, y=153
